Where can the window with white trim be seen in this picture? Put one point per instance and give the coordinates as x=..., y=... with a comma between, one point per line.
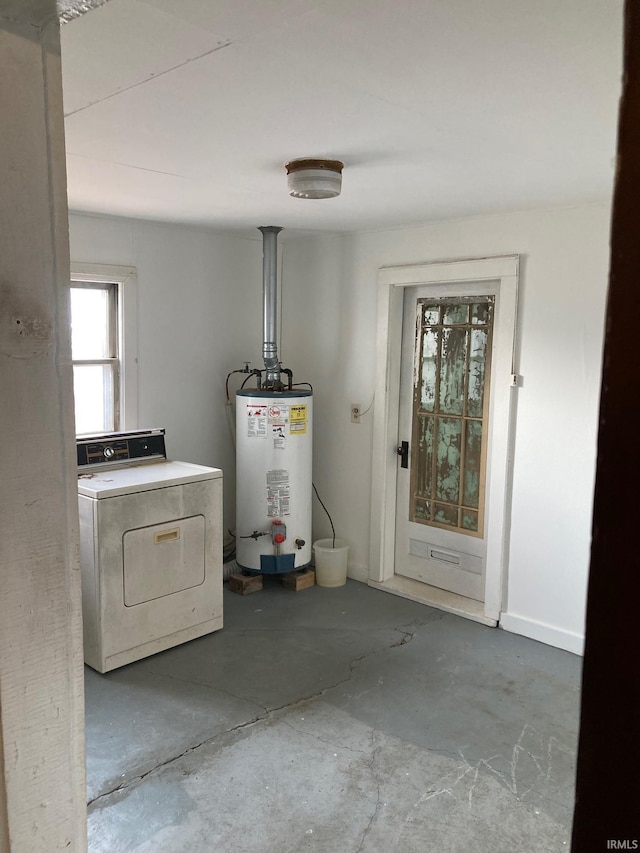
x=95, y=356
x=103, y=347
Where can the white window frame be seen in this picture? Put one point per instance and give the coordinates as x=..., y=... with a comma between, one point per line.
x=125, y=278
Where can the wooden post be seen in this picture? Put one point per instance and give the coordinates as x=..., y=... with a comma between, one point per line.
x=42, y=779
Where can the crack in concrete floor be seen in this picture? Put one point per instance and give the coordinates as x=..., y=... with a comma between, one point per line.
x=375, y=776
x=136, y=780
x=349, y=754
x=269, y=714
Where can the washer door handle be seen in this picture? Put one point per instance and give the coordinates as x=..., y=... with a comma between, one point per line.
x=167, y=536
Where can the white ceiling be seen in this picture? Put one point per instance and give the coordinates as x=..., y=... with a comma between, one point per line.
x=186, y=110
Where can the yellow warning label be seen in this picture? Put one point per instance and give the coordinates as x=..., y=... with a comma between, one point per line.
x=298, y=419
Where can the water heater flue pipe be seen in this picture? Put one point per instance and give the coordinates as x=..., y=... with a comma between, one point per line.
x=270, y=306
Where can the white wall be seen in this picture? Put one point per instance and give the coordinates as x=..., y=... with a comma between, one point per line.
x=330, y=326
x=199, y=316
x=564, y=268
x=315, y=344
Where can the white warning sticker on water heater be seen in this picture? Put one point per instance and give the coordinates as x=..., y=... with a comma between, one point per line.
x=278, y=495
x=278, y=422
x=279, y=413
x=278, y=431
x=257, y=421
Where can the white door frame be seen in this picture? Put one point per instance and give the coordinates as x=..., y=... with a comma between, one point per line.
x=392, y=281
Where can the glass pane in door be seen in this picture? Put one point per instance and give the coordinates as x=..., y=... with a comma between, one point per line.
x=450, y=410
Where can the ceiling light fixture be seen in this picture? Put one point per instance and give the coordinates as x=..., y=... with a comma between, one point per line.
x=310, y=178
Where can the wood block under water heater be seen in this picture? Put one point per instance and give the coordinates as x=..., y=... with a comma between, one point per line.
x=299, y=580
x=245, y=584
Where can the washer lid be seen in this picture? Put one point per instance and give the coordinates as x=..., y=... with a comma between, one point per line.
x=143, y=478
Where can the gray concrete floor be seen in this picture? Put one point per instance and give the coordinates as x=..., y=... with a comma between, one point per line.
x=335, y=720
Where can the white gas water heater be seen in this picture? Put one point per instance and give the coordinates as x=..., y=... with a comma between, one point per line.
x=274, y=433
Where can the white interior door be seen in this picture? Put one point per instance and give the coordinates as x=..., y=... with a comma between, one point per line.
x=444, y=416
x=390, y=539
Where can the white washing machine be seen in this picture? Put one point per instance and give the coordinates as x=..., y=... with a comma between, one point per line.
x=150, y=547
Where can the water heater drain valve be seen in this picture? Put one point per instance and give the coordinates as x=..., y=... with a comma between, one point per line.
x=278, y=532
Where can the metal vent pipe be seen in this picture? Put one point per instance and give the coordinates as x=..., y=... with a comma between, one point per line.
x=270, y=305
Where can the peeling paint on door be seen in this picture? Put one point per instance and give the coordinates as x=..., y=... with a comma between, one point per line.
x=452, y=349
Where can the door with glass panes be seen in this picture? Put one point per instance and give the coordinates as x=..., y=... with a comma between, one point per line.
x=444, y=423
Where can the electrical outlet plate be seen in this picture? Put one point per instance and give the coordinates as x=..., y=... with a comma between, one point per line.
x=356, y=411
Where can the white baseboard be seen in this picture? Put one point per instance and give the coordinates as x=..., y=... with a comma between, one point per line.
x=542, y=632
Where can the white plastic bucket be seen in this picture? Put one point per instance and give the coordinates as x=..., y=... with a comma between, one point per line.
x=331, y=562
